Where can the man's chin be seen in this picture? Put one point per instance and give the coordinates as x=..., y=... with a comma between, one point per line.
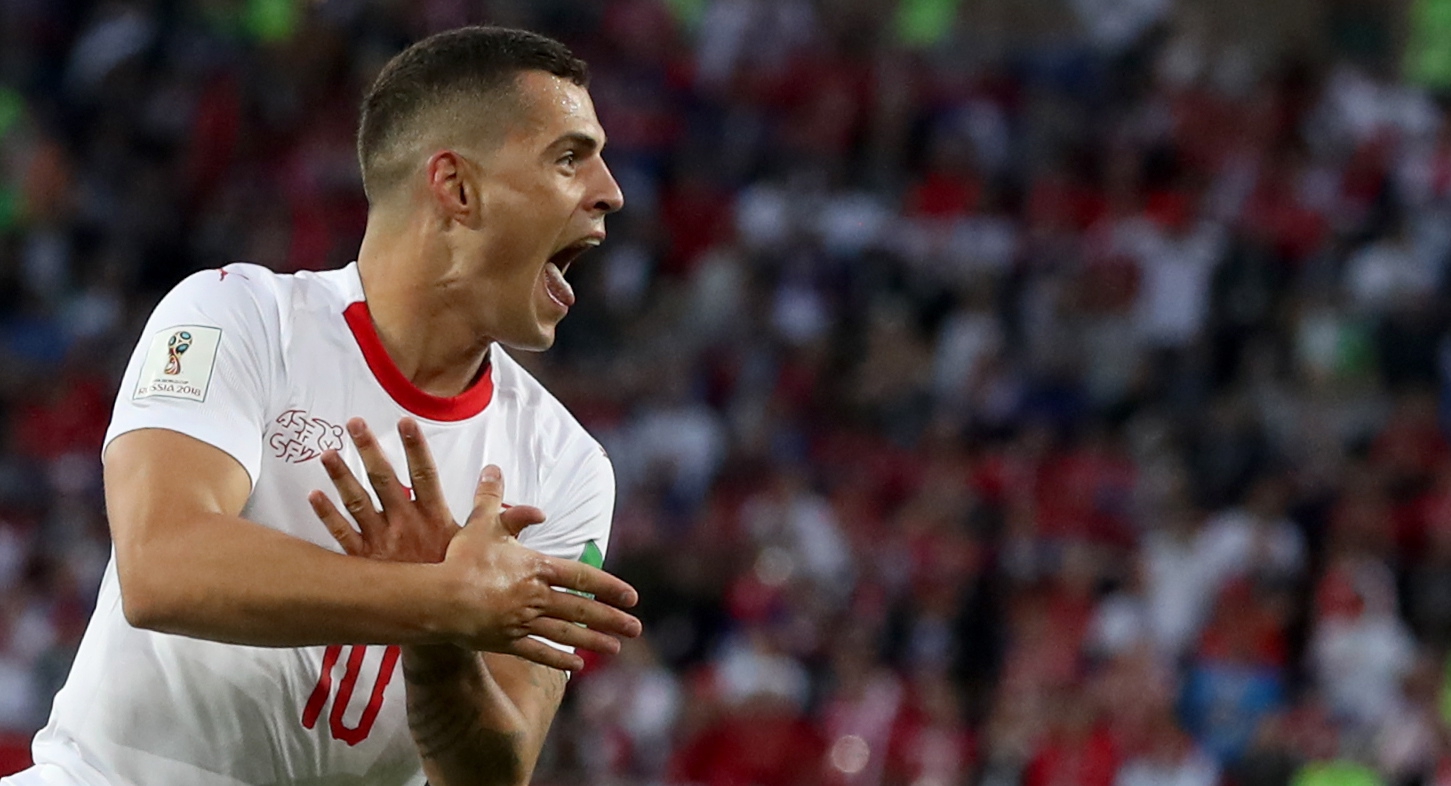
x=539, y=341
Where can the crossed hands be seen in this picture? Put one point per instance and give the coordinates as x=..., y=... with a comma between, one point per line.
x=510, y=590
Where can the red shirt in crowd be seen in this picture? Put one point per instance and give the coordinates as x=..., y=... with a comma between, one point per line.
x=1074, y=760
x=752, y=749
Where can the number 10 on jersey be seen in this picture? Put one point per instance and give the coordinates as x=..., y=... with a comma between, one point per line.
x=352, y=735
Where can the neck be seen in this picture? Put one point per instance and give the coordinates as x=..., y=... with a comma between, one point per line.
x=404, y=272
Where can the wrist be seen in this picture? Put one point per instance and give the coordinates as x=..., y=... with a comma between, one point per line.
x=446, y=606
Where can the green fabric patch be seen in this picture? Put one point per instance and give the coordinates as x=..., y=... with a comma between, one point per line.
x=592, y=555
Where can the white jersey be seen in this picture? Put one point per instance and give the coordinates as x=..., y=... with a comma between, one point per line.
x=268, y=368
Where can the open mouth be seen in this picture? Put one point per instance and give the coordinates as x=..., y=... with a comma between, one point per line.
x=558, y=289
x=564, y=257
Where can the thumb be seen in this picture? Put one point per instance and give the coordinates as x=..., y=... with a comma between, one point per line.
x=488, y=497
x=518, y=517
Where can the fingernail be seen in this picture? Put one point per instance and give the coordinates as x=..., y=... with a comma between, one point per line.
x=492, y=474
x=355, y=427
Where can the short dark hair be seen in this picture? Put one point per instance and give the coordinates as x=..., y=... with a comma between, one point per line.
x=463, y=71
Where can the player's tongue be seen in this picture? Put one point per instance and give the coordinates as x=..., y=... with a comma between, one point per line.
x=559, y=290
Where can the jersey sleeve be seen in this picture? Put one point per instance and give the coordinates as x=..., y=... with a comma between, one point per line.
x=579, y=503
x=202, y=367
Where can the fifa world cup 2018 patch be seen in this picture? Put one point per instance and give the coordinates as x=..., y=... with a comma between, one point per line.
x=179, y=363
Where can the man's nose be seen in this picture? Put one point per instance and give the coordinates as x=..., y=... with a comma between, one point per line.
x=609, y=198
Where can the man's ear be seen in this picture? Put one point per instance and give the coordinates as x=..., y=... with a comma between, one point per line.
x=451, y=179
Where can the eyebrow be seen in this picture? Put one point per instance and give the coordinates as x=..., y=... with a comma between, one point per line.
x=587, y=142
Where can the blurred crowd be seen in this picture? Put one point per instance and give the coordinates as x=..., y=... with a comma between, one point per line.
x=1064, y=412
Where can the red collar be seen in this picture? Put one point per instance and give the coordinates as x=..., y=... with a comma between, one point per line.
x=425, y=405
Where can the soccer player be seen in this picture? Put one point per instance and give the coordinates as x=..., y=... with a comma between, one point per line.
x=232, y=643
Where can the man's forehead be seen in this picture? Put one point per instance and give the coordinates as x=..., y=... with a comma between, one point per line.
x=559, y=106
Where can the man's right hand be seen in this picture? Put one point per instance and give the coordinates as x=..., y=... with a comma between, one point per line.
x=505, y=593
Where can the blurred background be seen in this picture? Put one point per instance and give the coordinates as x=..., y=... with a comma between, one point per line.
x=1043, y=392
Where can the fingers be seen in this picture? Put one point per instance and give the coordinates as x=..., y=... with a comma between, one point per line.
x=583, y=578
x=427, y=491
x=489, y=505
x=355, y=498
x=380, y=473
x=488, y=497
x=570, y=608
x=571, y=635
x=545, y=655
x=341, y=530
x=515, y=519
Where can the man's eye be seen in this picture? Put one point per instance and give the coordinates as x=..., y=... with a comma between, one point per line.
x=569, y=159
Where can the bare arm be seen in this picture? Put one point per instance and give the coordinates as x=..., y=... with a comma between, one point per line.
x=189, y=564
x=479, y=718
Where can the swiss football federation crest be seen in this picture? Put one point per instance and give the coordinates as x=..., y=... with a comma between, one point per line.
x=176, y=347
x=296, y=436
